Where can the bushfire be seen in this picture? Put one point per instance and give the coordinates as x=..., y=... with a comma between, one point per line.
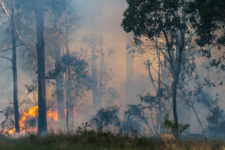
x=28, y=119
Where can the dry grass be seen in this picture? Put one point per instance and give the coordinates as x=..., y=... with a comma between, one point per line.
x=104, y=141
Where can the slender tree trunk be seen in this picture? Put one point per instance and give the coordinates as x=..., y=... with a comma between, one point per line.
x=14, y=67
x=174, y=98
x=42, y=120
x=175, y=65
x=198, y=118
x=68, y=85
x=129, y=73
x=94, y=79
x=102, y=63
x=59, y=76
x=159, y=94
x=68, y=100
x=176, y=73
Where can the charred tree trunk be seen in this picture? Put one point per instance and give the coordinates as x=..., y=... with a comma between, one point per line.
x=40, y=46
x=59, y=76
x=14, y=67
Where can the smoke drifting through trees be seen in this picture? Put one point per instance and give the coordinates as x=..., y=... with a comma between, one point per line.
x=91, y=64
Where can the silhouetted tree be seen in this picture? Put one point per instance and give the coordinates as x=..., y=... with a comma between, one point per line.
x=106, y=118
x=14, y=67
x=39, y=15
x=167, y=19
x=208, y=17
x=78, y=82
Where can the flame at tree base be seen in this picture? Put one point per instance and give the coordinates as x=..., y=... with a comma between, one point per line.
x=30, y=116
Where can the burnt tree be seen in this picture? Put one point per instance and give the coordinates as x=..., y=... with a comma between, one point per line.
x=40, y=46
x=14, y=67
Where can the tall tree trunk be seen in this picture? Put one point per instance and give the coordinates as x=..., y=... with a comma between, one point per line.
x=42, y=120
x=68, y=85
x=159, y=94
x=129, y=73
x=102, y=64
x=174, y=98
x=94, y=79
x=59, y=76
x=175, y=65
x=68, y=99
x=180, y=41
x=14, y=67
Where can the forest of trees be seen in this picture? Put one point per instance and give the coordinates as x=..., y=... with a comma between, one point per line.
x=181, y=46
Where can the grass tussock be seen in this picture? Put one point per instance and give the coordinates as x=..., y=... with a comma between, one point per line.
x=103, y=141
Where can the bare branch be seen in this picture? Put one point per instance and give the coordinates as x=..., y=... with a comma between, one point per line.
x=9, y=49
x=7, y=12
x=7, y=58
x=148, y=63
x=21, y=41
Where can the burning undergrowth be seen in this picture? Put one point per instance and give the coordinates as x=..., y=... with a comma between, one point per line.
x=28, y=121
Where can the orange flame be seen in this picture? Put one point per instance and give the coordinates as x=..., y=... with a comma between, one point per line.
x=29, y=114
x=52, y=115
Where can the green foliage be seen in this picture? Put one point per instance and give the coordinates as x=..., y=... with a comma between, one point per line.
x=216, y=121
x=175, y=128
x=152, y=17
x=207, y=17
x=106, y=118
x=136, y=112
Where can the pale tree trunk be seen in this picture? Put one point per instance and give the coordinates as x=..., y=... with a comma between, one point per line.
x=102, y=63
x=158, y=87
x=68, y=86
x=14, y=67
x=59, y=75
x=94, y=79
x=39, y=15
x=68, y=100
x=129, y=72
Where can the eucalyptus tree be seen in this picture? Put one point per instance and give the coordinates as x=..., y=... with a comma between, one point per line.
x=80, y=82
x=14, y=67
x=40, y=46
x=36, y=9
x=161, y=19
x=58, y=8
x=11, y=15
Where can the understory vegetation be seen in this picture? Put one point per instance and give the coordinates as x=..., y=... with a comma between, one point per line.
x=99, y=140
